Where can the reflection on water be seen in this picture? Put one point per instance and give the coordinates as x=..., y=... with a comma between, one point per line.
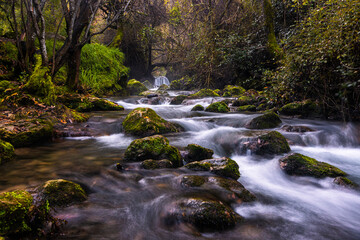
x=128, y=204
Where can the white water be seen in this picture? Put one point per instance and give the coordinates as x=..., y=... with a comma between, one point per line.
x=161, y=80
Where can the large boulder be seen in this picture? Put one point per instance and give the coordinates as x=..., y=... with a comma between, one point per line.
x=247, y=108
x=233, y=91
x=155, y=148
x=268, y=144
x=204, y=93
x=6, y=151
x=60, y=192
x=197, y=107
x=145, y=122
x=178, y=100
x=202, y=213
x=156, y=164
x=300, y=165
x=135, y=87
x=87, y=104
x=268, y=120
x=304, y=108
x=194, y=152
x=224, y=167
x=184, y=83
x=219, y=107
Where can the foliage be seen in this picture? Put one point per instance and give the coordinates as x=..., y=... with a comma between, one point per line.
x=102, y=70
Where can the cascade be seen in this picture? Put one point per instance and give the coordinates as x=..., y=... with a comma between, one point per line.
x=161, y=80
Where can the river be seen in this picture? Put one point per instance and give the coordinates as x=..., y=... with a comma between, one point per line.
x=128, y=204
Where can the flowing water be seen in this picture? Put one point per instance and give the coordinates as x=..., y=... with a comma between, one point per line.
x=129, y=204
x=160, y=81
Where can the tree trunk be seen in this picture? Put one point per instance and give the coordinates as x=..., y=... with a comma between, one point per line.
x=73, y=63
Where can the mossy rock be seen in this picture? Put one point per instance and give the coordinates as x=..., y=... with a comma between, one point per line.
x=157, y=93
x=31, y=135
x=184, y=83
x=193, y=180
x=268, y=120
x=6, y=151
x=224, y=167
x=202, y=213
x=244, y=101
x=246, y=108
x=345, y=182
x=219, y=107
x=204, y=93
x=178, y=100
x=268, y=144
x=233, y=91
x=300, y=129
x=300, y=165
x=195, y=152
x=135, y=87
x=62, y=193
x=156, y=164
x=304, y=108
x=198, y=107
x=87, y=104
x=14, y=212
x=163, y=87
x=155, y=147
x=106, y=105
x=145, y=122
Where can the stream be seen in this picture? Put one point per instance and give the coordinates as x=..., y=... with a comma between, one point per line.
x=127, y=205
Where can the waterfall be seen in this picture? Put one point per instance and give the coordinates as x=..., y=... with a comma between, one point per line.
x=161, y=80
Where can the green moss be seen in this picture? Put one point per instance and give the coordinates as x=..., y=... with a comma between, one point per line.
x=204, y=93
x=246, y=108
x=199, y=166
x=79, y=117
x=193, y=181
x=272, y=44
x=198, y=107
x=135, y=87
x=233, y=91
x=61, y=192
x=197, y=153
x=87, y=104
x=272, y=143
x=184, y=83
x=219, y=107
x=163, y=87
x=235, y=187
x=14, y=212
x=298, y=164
x=40, y=83
x=6, y=151
x=145, y=122
x=178, y=99
x=345, y=182
x=155, y=164
x=155, y=147
x=304, y=108
x=268, y=120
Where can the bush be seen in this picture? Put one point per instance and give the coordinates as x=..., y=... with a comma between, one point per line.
x=102, y=69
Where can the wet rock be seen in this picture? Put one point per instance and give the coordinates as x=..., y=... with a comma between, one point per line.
x=300, y=165
x=268, y=120
x=156, y=164
x=233, y=91
x=87, y=104
x=196, y=152
x=155, y=147
x=202, y=213
x=204, y=93
x=300, y=129
x=119, y=167
x=247, y=108
x=178, y=100
x=145, y=122
x=224, y=167
x=304, y=108
x=219, y=107
x=148, y=84
x=268, y=144
x=153, y=100
x=152, y=93
x=345, y=182
x=135, y=87
x=193, y=180
x=163, y=87
x=61, y=192
x=6, y=151
x=184, y=83
x=197, y=107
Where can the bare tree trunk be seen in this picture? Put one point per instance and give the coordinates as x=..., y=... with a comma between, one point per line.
x=73, y=64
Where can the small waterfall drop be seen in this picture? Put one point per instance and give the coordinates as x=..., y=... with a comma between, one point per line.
x=161, y=80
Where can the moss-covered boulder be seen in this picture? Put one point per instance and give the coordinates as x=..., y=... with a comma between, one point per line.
x=87, y=104
x=304, y=108
x=267, y=144
x=145, y=122
x=233, y=91
x=202, y=213
x=194, y=152
x=156, y=164
x=244, y=100
x=14, y=212
x=197, y=107
x=219, y=107
x=300, y=165
x=246, y=108
x=155, y=147
x=204, y=93
x=184, y=83
x=224, y=167
x=28, y=134
x=62, y=193
x=268, y=120
x=193, y=181
x=6, y=151
x=345, y=182
x=163, y=87
x=135, y=87
x=178, y=100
